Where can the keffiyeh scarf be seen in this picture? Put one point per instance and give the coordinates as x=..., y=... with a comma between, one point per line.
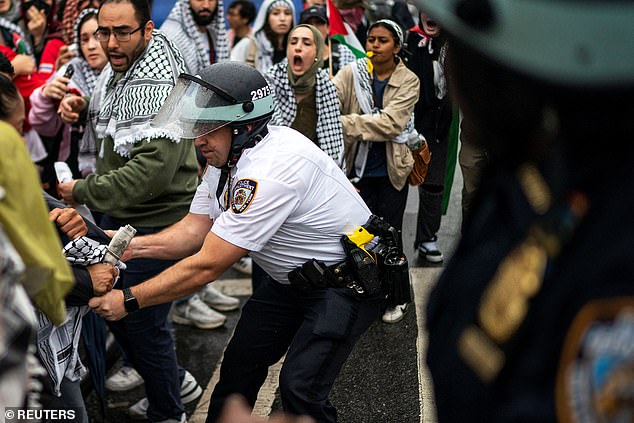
x=125, y=110
x=365, y=97
x=59, y=345
x=182, y=30
x=329, y=131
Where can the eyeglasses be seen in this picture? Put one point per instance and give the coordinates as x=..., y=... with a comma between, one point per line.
x=122, y=35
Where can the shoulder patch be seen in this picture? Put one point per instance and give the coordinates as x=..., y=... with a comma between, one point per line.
x=595, y=381
x=243, y=194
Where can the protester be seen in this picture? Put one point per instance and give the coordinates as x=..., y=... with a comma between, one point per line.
x=532, y=319
x=305, y=99
x=286, y=201
x=427, y=48
x=144, y=177
x=240, y=16
x=58, y=346
x=45, y=100
x=197, y=28
x=335, y=55
x=353, y=13
x=268, y=46
x=375, y=123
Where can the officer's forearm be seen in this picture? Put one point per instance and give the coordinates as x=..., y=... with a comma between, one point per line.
x=182, y=239
x=185, y=277
x=190, y=274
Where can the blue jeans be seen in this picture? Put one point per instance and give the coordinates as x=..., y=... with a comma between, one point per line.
x=146, y=338
x=317, y=330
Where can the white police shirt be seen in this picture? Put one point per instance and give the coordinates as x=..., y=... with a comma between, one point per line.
x=289, y=203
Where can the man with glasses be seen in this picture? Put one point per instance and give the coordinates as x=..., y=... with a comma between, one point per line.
x=145, y=177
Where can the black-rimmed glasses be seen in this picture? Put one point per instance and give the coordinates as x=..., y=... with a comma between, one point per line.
x=122, y=35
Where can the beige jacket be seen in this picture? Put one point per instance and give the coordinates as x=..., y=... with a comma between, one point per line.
x=399, y=98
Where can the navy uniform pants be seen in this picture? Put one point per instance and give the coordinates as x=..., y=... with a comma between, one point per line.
x=145, y=337
x=317, y=330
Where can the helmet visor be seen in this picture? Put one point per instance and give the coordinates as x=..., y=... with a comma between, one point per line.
x=193, y=109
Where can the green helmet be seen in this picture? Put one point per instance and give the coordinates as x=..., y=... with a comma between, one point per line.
x=567, y=42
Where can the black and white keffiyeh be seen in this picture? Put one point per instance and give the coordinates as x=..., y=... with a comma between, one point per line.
x=125, y=110
x=329, y=131
x=365, y=97
x=84, y=251
x=180, y=27
x=59, y=345
x=345, y=55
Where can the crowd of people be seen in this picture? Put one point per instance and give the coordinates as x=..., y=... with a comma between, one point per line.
x=256, y=138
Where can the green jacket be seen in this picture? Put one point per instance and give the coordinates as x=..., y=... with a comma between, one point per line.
x=152, y=188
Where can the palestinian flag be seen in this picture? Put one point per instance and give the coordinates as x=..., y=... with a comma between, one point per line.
x=341, y=31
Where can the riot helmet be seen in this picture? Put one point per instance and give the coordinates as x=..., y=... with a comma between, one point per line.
x=228, y=93
x=575, y=43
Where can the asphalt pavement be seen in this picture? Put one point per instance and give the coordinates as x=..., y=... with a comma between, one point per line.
x=384, y=380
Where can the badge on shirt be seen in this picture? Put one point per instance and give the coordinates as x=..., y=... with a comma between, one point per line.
x=243, y=194
x=596, y=378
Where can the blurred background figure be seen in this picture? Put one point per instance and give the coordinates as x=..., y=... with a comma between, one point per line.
x=240, y=16
x=335, y=55
x=268, y=47
x=427, y=50
x=197, y=27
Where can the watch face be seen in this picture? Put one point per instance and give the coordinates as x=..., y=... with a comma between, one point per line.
x=129, y=301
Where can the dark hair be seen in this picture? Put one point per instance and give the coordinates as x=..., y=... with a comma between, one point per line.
x=5, y=65
x=272, y=36
x=141, y=9
x=246, y=11
x=395, y=37
x=9, y=97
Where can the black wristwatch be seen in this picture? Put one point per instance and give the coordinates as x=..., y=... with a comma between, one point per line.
x=129, y=301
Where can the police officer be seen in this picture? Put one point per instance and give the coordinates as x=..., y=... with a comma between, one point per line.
x=269, y=192
x=533, y=319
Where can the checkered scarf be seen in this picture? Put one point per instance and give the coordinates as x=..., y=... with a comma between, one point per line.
x=59, y=345
x=329, y=132
x=182, y=30
x=16, y=31
x=124, y=111
x=69, y=20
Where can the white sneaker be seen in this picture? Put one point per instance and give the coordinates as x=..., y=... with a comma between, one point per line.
x=124, y=379
x=196, y=313
x=190, y=391
x=394, y=315
x=216, y=299
x=244, y=265
x=429, y=251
